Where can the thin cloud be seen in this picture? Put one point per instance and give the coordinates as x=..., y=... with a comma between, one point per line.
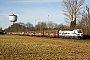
x=34, y=1
x=44, y=1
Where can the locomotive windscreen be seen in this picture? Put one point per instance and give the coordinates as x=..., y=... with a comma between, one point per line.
x=79, y=31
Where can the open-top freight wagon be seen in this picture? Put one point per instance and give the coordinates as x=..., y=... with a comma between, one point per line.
x=39, y=33
x=51, y=33
x=47, y=33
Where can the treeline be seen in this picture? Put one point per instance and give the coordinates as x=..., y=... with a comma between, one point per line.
x=22, y=27
x=83, y=24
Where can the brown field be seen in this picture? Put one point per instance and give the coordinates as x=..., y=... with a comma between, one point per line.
x=14, y=47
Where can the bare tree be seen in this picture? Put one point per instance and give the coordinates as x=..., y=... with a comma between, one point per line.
x=41, y=26
x=52, y=25
x=0, y=29
x=72, y=10
x=29, y=26
x=85, y=22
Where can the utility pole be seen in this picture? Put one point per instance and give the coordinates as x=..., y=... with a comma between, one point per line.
x=48, y=22
x=40, y=29
x=35, y=25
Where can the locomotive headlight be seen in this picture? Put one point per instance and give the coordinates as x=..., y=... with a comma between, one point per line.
x=78, y=34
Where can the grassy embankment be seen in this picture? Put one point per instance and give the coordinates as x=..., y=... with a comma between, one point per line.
x=38, y=48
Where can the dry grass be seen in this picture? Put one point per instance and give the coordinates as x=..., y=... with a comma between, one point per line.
x=37, y=48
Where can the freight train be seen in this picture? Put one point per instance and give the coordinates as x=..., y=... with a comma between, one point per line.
x=76, y=33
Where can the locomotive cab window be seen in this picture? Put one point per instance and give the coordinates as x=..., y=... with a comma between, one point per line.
x=79, y=31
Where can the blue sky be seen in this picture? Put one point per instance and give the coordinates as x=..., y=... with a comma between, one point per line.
x=31, y=10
